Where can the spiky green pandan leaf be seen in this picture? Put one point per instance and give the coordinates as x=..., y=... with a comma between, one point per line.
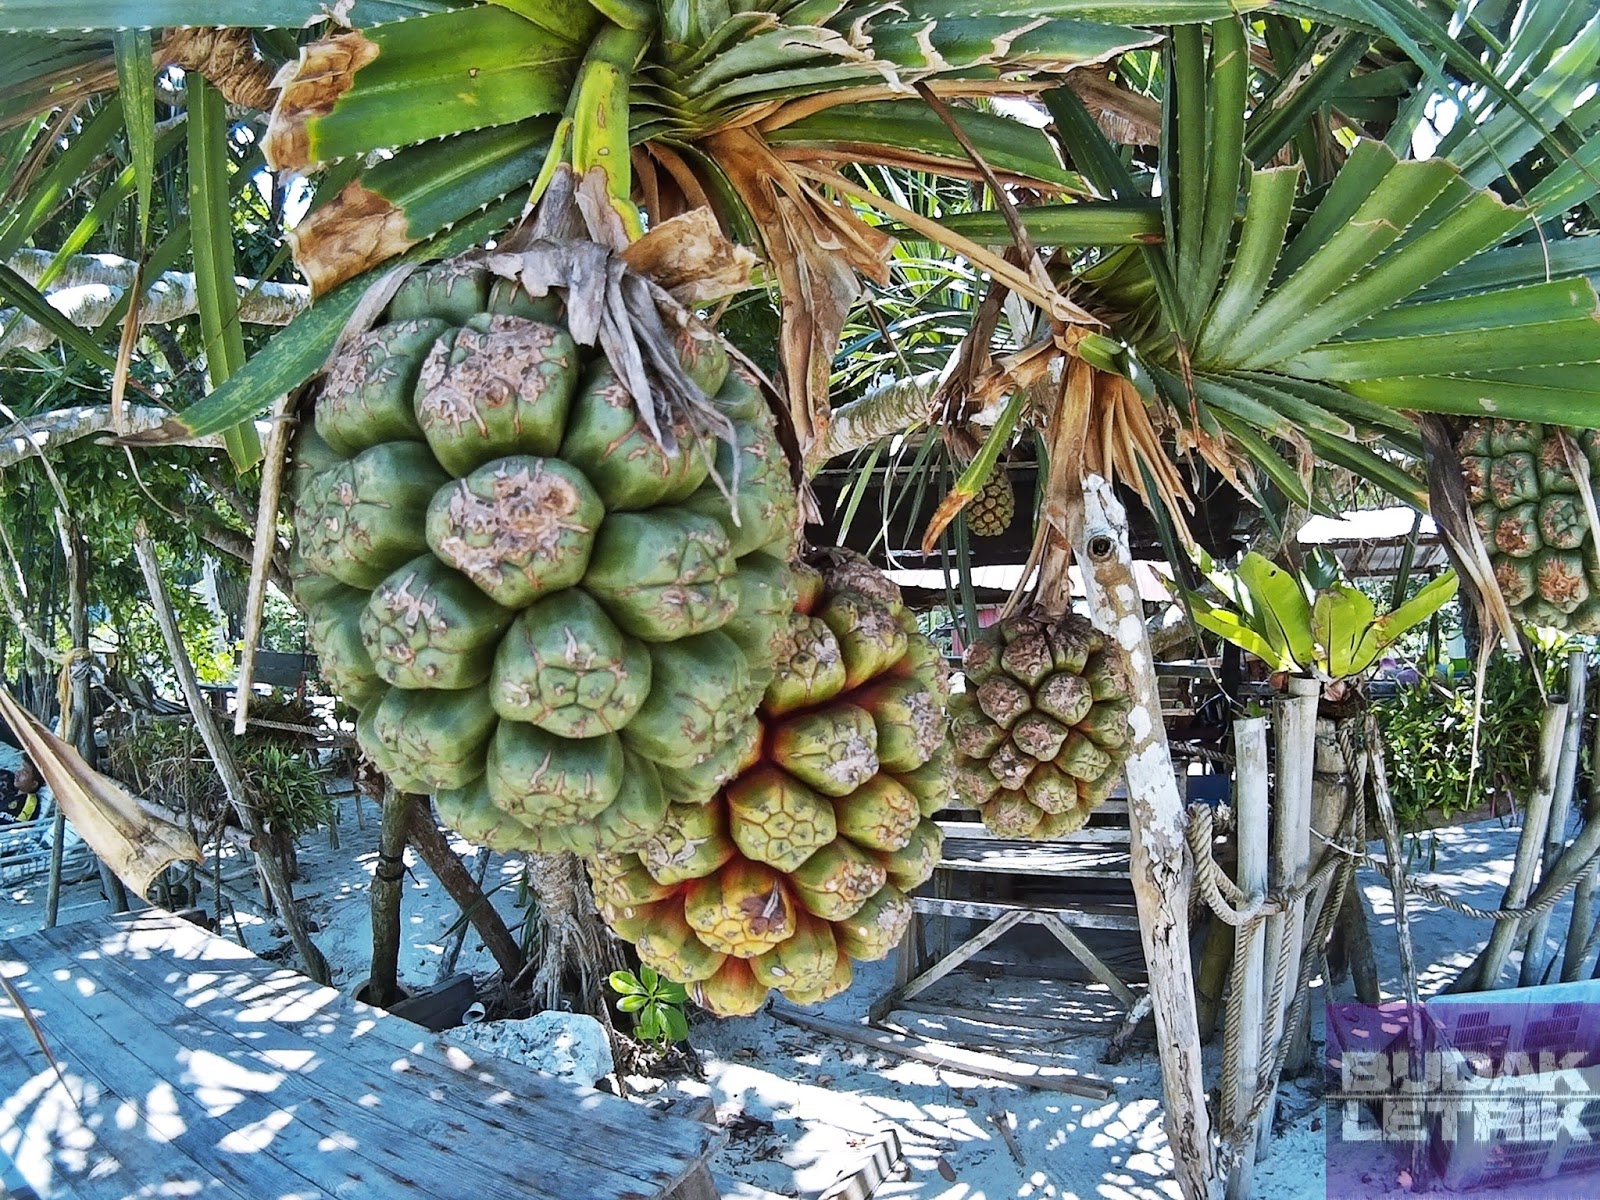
x=875, y=127
x=50, y=15
x=409, y=82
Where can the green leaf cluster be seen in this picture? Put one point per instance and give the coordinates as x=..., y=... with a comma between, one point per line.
x=1332, y=631
x=657, y=1004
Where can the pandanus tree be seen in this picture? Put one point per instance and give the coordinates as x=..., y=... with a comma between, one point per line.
x=1260, y=235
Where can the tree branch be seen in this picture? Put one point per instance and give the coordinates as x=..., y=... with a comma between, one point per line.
x=48, y=431
x=882, y=412
x=93, y=284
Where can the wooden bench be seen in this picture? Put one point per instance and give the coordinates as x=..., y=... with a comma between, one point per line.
x=1096, y=854
x=180, y=1064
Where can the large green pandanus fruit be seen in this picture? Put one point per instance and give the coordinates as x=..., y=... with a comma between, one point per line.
x=801, y=860
x=1526, y=484
x=552, y=607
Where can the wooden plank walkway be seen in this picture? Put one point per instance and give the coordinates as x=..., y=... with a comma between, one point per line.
x=189, y=1067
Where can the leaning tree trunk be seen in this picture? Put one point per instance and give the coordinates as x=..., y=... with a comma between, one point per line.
x=434, y=849
x=1162, y=871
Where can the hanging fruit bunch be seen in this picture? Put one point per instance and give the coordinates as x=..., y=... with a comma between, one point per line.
x=993, y=508
x=551, y=602
x=1041, y=733
x=1534, y=518
x=800, y=863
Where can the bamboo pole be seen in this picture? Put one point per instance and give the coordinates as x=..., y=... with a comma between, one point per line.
x=1161, y=870
x=1296, y=731
x=268, y=864
x=1535, y=818
x=1242, y=1046
x=1535, y=952
x=1581, y=923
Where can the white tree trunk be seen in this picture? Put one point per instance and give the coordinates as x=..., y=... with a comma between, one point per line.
x=1162, y=872
x=93, y=284
x=47, y=432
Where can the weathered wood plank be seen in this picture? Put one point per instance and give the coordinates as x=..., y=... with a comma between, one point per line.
x=520, y=1101
x=952, y=1057
x=1042, y=858
x=239, y=1049
x=43, y=1114
x=1085, y=916
x=1087, y=957
x=970, y=831
x=453, y=1104
x=143, y=1106
x=401, y=1142
x=280, y=1104
x=960, y=955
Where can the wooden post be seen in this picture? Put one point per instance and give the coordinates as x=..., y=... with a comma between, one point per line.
x=1296, y=731
x=269, y=864
x=1582, y=922
x=1535, y=818
x=388, y=886
x=1535, y=954
x=434, y=849
x=1384, y=803
x=1163, y=875
x=77, y=728
x=1242, y=1038
x=1352, y=922
x=1330, y=806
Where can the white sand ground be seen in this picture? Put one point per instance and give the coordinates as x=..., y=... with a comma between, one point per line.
x=801, y=1108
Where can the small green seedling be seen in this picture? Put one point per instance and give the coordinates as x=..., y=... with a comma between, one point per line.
x=656, y=1005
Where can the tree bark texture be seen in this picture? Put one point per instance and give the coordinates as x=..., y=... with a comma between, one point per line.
x=1161, y=870
x=93, y=284
x=388, y=887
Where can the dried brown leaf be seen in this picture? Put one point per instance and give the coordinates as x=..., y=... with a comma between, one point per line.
x=310, y=88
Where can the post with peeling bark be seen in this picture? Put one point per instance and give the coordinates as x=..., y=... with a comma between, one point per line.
x=1242, y=1032
x=1162, y=872
x=1296, y=729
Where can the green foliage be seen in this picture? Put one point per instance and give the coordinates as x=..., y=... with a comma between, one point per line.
x=656, y=1005
x=1314, y=625
x=1428, y=737
x=164, y=760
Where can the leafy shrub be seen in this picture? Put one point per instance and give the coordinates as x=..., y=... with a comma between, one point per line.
x=164, y=760
x=1427, y=731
